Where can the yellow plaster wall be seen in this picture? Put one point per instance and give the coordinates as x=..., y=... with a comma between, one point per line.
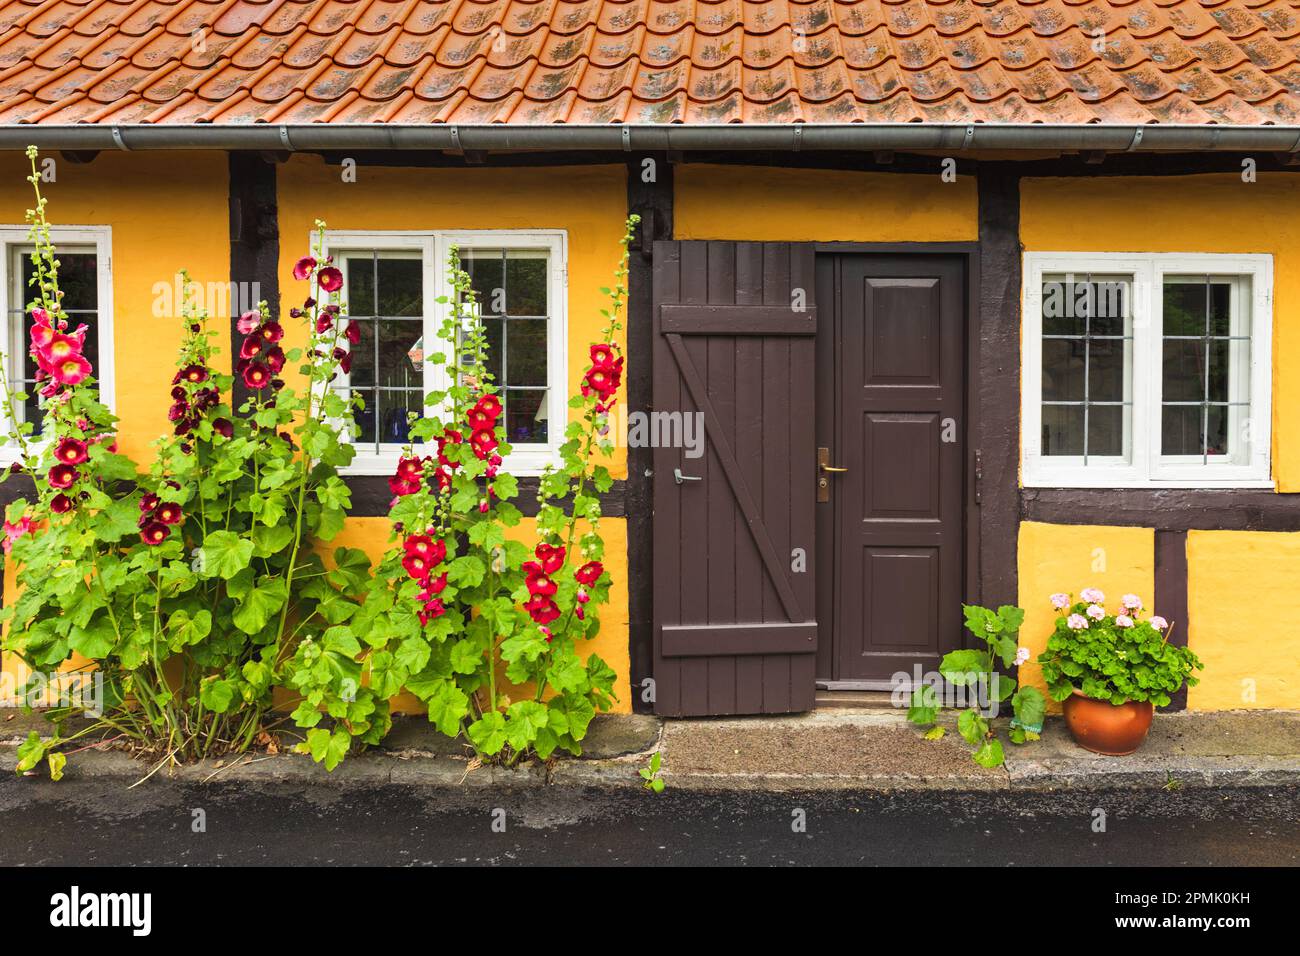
x=1243, y=604
x=1070, y=558
x=168, y=211
x=1211, y=213
x=756, y=203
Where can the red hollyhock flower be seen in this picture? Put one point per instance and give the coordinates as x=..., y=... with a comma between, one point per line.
x=538, y=581
x=542, y=609
x=274, y=359
x=252, y=347
x=353, y=332
x=271, y=332
x=194, y=374
x=479, y=420
x=602, y=355
x=62, y=476
x=589, y=573
x=154, y=533
x=303, y=267
x=400, y=487
x=248, y=322
x=256, y=375
x=551, y=556
x=483, y=442
x=443, y=477
x=40, y=316
x=439, y=584
x=60, y=504
x=323, y=324
x=417, y=565
x=431, y=610
x=435, y=549
x=42, y=335
x=603, y=379
x=452, y=437
x=330, y=279
x=489, y=405
x=71, y=451
x=148, y=502
x=60, y=347
x=224, y=427
x=410, y=468
x=72, y=370
x=170, y=513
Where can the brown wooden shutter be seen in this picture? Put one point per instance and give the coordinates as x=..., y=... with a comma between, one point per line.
x=734, y=624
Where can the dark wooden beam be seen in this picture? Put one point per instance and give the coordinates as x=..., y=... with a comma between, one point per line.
x=254, y=245
x=651, y=198
x=998, y=370
x=1165, y=509
x=1170, y=599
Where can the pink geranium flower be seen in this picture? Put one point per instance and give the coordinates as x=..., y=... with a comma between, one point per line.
x=1060, y=601
x=1092, y=595
x=1158, y=622
x=1077, y=622
x=1132, y=602
x=1095, y=611
x=1123, y=620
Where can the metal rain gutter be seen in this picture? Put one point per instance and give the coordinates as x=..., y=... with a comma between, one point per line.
x=956, y=137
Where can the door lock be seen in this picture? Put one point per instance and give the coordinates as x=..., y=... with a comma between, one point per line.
x=679, y=477
x=825, y=468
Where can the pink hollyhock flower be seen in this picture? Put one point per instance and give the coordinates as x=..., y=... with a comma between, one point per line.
x=1092, y=595
x=330, y=279
x=71, y=451
x=1095, y=611
x=1077, y=622
x=42, y=335
x=72, y=370
x=551, y=557
x=14, y=531
x=1132, y=602
x=1158, y=622
x=303, y=267
x=60, y=504
x=41, y=317
x=1123, y=620
x=62, y=476
x=154, y=533
x=1060, y=601
x=60, y=347
x=1022, y=655
x=248, y=322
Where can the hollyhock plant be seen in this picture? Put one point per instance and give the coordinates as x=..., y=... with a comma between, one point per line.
x=1116, y=658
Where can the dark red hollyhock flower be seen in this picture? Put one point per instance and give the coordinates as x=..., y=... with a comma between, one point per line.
x=184, y=427
x=345, y=364
x=353, y=332
x=194, y=374
x=186, y=448
x=483, y=442
x=271, y=332
x=417, y=565
x=252, y=347
x=177, y=411
x=538, y=581
x=148, y=502
x=303, y=267
x=438, y=585
x=542, y=609
x=155, y=532
x=551, y=556
x=452, y=437
x=207, y=397
x=60, y=504
x=443, y=477
x=62, y=476
x=256, y=375
x=330, y=279
x=602, y=355
x=71, y=451
x=323, y=324
x=169, y=513
x=179, y=393
x=431, y=610
x=224, y=427
x=589, y=573
x=274, y=359
x=435, y=549
x=277, y=383
x=248, y=322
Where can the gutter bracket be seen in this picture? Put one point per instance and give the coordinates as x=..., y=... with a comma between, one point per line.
x=798, y=137
x=455, y=140
x=1295, y=147
x=117, y=138
x=284, y=138
x=627, y=139
x=966, y=139
x=1137, y=139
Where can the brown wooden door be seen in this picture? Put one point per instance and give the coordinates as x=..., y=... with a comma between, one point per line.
x=898, y=397
x=734, y=339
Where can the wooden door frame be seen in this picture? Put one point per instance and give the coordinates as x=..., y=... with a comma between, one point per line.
x=969, y=253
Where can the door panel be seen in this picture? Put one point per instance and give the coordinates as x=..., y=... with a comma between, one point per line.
x=899, y=397
x=734, y=622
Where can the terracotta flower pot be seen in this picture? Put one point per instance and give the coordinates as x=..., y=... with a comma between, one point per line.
x=1106, y=728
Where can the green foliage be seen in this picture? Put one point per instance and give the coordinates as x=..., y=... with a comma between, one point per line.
x=650, y=774
x=975, y=669
x=1114, y=657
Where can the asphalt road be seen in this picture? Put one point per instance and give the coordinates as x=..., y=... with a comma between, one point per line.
x=90, y=823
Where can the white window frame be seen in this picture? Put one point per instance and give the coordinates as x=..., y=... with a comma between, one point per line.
x=1145, y=467
x=65, y=239
x=434, y=246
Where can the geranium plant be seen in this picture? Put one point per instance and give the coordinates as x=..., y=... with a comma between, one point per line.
x=1117, y=657
x=485, y=631
x=186, y=588
x=975, y=670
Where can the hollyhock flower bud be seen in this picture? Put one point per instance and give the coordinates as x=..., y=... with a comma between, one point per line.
x=546, y=633
x=248, y=322
x=186, y=448
x=60, y=504
x=582, y=596
x=309, y=303
x=303, y=267
x=483, y=506
x=16, y=468
x=339, y=354
x=62, y=476
x=154, y=533
x=345, y=364
x=295, y=313
x=70, y=451
x=169, y=513
x=224, y=427
x=195, y=328
x=330, y=279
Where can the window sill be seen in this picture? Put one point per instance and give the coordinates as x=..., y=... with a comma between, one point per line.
x=522, y=463
x=1111, y=482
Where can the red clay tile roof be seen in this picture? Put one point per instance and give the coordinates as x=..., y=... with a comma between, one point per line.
x=649, y=61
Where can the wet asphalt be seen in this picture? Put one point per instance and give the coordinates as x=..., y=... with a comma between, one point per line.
x=100, y=823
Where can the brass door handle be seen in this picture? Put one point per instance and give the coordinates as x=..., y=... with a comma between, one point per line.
x=832, y=468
